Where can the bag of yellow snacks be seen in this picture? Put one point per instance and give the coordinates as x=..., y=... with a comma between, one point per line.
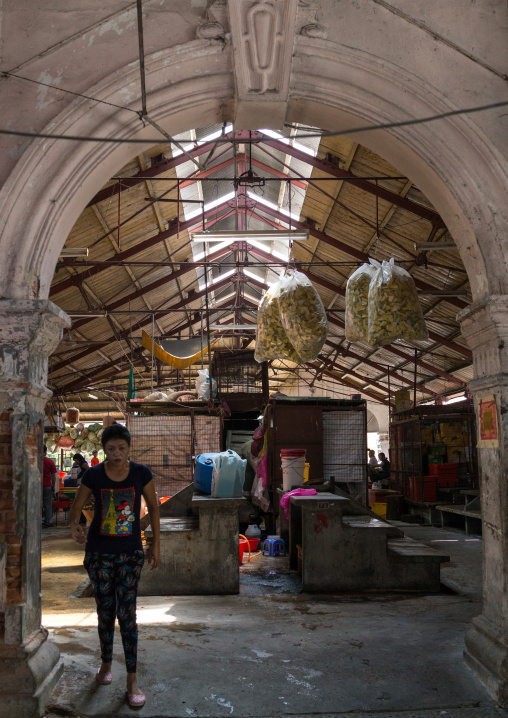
x=357, y=302
x=303, y=315
x=271, y=339
x=394, y=308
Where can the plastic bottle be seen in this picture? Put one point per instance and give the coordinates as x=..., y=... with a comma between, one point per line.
x=253, y=531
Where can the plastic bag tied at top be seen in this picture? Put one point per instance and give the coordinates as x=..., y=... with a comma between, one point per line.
x=271, y=339
x=394, y=307
x=357, y=302
x=302, y=315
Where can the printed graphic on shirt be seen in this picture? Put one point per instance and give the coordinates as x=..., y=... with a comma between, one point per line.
x=117, y=518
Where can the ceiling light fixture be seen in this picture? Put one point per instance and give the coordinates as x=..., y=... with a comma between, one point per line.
x=435, y=246
x=92, y=396
x=289, y=235
x=232, y=326
x=443, y=293
x=74, y=252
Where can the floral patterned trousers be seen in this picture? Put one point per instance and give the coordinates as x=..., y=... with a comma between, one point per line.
x=115, y=578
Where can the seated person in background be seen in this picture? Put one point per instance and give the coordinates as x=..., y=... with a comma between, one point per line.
x=372, y=458
x=383, y=473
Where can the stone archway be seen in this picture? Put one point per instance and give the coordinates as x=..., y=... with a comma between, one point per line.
x=331, y=86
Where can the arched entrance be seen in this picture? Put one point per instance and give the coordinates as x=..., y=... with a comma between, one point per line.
x=332, y=87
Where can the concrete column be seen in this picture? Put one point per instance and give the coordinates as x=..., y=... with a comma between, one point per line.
x=29, y=664
x=485, y=326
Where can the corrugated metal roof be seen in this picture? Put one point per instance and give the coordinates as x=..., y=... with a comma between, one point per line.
x=342, y=212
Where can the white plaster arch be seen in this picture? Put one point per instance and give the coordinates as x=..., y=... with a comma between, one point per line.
x=332, y=86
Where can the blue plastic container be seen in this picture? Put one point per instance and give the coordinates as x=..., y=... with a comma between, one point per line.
x=203, y=472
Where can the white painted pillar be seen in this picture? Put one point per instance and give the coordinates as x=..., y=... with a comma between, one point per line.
x=30, y=665
x=485, y=326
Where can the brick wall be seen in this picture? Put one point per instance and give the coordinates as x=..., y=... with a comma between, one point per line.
x=11, y=580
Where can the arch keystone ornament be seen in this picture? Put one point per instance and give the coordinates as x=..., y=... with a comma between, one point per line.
x=484, y=325
x=263, y=34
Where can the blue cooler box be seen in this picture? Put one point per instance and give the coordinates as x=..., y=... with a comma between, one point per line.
x=203, y=472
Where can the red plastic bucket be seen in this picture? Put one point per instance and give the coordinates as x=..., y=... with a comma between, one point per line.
x=243, y=546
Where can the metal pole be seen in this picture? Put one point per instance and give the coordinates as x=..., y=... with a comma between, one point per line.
x=414, y=385
x=141, y=57
x=389, y=397
x=201, y=340
x=153, y=333
x=210, y=377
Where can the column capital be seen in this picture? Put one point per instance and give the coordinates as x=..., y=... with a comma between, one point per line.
x=30, y=330
x=484, y=325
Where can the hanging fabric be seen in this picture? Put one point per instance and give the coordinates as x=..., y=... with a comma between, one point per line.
x=180, y=354
x=131, y=390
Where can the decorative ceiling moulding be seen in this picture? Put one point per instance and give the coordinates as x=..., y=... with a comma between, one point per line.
x=307, y=20
x=263, y=34
x=215, y=22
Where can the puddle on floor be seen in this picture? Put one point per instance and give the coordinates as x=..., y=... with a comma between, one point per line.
x=264, y=575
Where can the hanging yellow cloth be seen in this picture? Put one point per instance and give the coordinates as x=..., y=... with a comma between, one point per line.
x=178, y=362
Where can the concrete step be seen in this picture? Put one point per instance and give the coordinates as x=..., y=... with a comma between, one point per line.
x=412, y=550
x=179, y=523
x=369, y=522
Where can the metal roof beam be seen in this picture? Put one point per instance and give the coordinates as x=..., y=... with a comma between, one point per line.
x=334, y=170
x=158, y=168
x=173, y=229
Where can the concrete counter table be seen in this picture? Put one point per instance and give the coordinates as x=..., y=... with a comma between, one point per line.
x=199, y=554
x=343, y=550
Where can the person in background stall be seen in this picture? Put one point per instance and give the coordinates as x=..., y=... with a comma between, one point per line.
x=49, y=488
x=114, y=553
x=372, y=466
x=78, y=468
x=383, y=474
x=94, y=460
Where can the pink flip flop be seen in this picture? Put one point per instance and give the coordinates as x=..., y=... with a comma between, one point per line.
x=136, y=700
x=105, y=679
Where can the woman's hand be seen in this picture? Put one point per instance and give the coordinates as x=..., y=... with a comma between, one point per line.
x=154, y=553
x=78, y=534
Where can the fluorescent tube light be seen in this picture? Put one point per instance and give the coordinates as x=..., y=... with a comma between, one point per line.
x=442, y=293
x=92, y=396
x=74, y=252
x=294, y=235
x=435, y=246
x=232, y=326
x=78, y=316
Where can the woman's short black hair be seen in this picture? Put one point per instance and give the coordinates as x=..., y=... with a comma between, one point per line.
x=115, y=431
x=78, y=457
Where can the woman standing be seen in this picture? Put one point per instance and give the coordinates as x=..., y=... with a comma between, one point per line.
x=114, y=552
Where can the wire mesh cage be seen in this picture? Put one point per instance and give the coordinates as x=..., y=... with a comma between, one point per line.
x=168, y=443
x=345, y=450
x=238, y=372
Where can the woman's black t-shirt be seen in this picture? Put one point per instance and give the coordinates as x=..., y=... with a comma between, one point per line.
x=115, y=527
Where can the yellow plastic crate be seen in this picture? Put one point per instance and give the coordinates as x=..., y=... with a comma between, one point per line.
x=379, y=508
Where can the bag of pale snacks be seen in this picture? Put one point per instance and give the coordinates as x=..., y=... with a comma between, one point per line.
x=394, y=310
x=302, y=314
x=271, y=339
x=357, y=302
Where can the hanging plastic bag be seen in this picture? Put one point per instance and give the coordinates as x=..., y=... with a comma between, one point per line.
x=271, y=339
x=302, y=315
x=394, y=307
x=228, y=474
x=203, y=385
x=357, y=302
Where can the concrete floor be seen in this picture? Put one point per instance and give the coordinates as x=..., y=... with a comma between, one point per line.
x=272, y=651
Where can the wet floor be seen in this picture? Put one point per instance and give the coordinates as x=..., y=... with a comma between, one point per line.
x=273, y=650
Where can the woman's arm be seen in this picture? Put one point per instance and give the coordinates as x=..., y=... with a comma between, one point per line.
x=153, y=511
x=82, y=495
